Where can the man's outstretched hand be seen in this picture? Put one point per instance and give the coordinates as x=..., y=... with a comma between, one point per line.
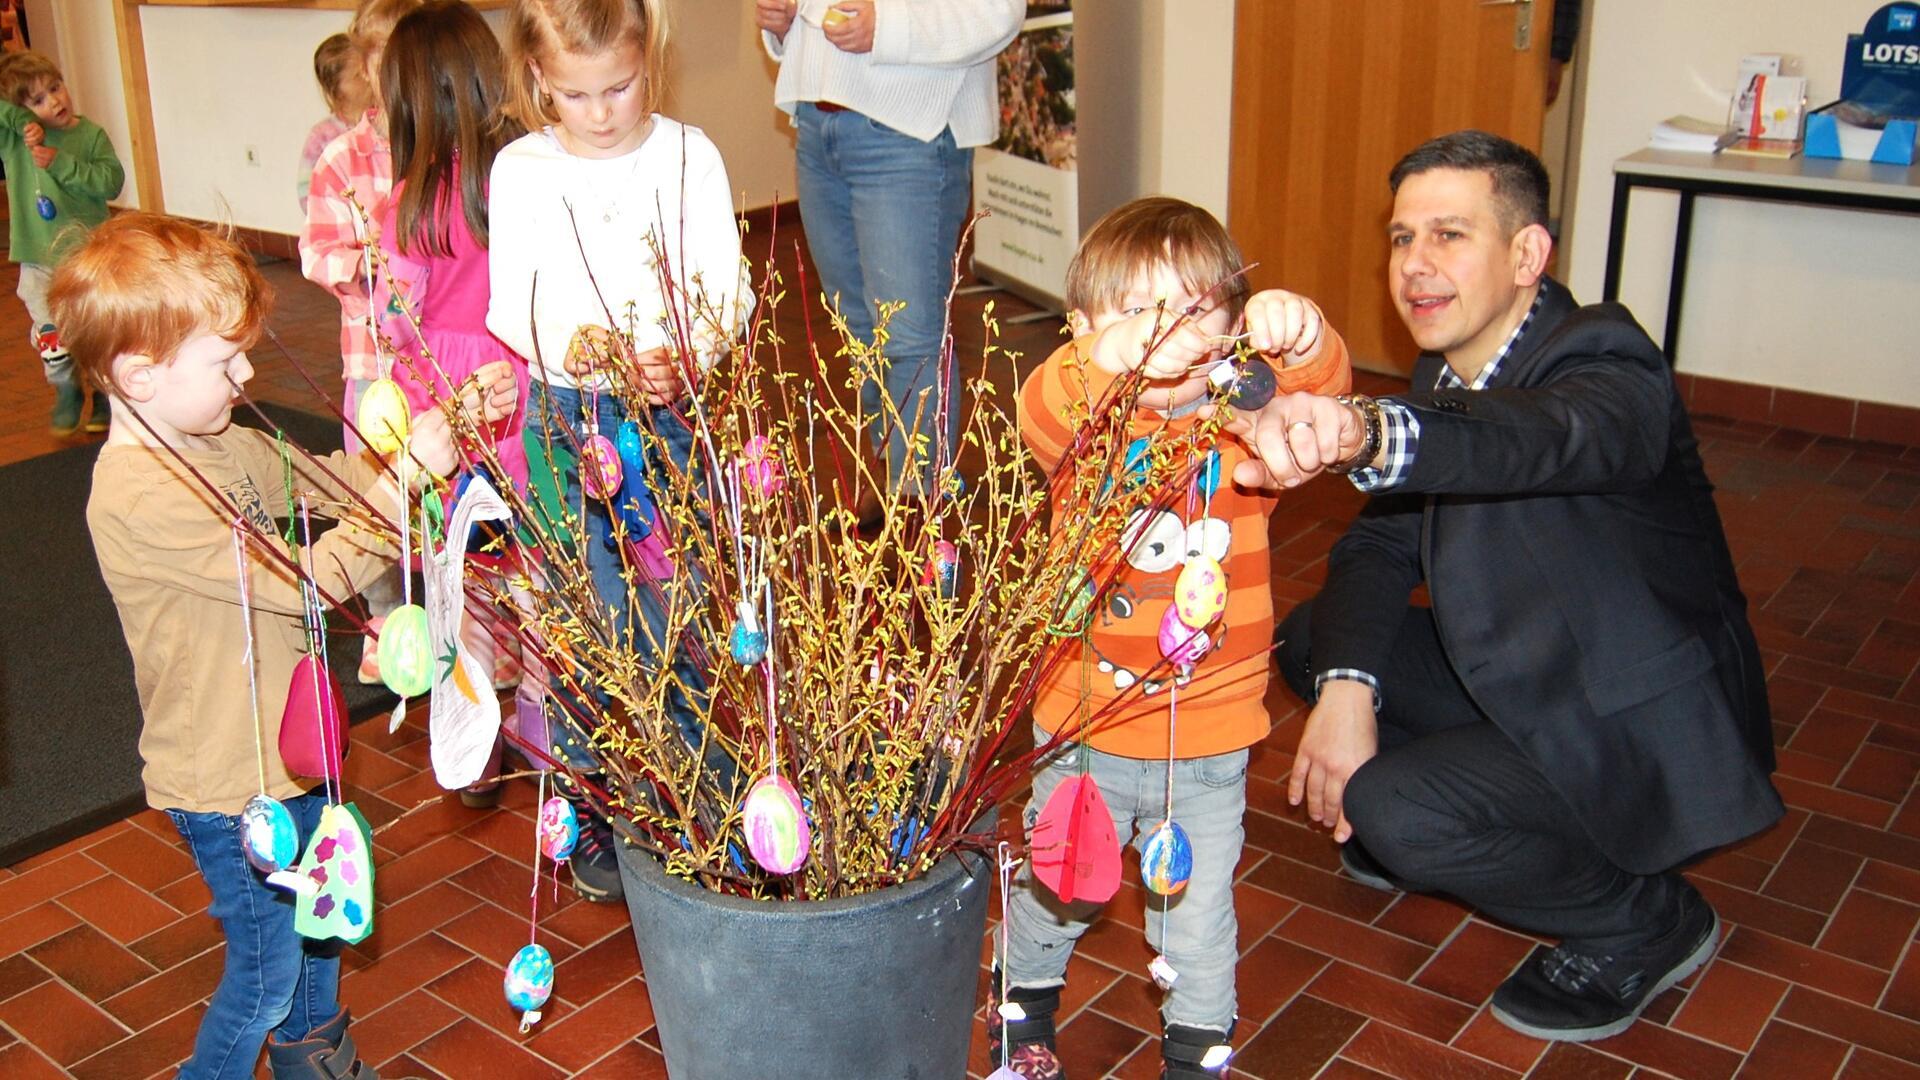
x=1294, y=438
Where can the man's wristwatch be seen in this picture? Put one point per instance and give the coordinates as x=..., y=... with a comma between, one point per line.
x=1373, y=421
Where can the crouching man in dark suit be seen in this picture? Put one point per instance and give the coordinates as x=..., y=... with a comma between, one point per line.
x=1582, y=710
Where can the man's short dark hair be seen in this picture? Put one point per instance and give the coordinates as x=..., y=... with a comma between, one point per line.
x=1519, y=180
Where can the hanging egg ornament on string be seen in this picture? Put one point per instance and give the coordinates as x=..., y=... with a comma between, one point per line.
x=943, y=568
x=1200, y=592
x=748, y=642
x=1207, y=480
x=599, y=467
x=778, y=836
x=45, y=208
x=1182, y=645
x=1166, y=859
x=1254, y=386
x=406, y=651
x=383, y=416
x=268, y=836
x=760, y=467
x=636, y=508
x=529, y=983
x=313, y=726
x=559, y=829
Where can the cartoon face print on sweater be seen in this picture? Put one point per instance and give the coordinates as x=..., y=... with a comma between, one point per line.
x=1157, y=544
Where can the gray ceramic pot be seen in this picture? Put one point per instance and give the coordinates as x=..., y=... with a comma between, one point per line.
x=874, y=987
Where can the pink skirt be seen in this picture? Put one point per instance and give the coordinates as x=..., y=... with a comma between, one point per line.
x=457, y=354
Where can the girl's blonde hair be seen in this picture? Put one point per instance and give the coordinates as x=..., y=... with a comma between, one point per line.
x=538, y=29
x=342, y=77
x=373, y=23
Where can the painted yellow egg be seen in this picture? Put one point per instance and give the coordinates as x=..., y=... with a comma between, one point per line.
x=1200, y=592
x=406, y=651
x=384, y=416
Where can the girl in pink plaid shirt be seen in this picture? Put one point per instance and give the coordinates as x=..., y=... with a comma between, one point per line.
x=331, y=254
x=357, y=162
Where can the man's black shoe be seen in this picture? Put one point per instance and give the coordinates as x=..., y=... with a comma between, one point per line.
x=1565, y=995
x=1360, y=867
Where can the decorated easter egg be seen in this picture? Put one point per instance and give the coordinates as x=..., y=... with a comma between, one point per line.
x=559, y=828
x=383, y=417
x=778, y=836
x=943, y=567
x=406, y=651
x=760, y=468
x=599, y=467
x=1255, y=386
x=1200, y=592
x=1181, y=644
x=636, y=502
x=313, y=726
x=45, y=208
x=748, y=642
x=529, y=981
x=1166, y=859
x=268, y=836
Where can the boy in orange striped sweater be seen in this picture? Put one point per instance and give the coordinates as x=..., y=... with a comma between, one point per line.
x=1136, y=273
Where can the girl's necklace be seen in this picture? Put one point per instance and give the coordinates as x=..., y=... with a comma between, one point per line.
x=609, y=206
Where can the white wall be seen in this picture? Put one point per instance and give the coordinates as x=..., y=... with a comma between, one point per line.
x=1186, y=82
x=222, y=79
x=1811, y=299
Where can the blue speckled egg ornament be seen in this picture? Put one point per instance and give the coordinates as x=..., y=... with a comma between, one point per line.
x=267, y=834
x=529, y=983
x=748, y=642
x=45, y=208
x=1166, y=859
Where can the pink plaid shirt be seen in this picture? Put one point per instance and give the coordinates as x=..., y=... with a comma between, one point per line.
x=330, y=252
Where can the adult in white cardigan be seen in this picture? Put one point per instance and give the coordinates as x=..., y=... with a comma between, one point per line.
x=890, y=97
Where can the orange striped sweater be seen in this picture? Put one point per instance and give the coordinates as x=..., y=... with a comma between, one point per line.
x=1220, y=706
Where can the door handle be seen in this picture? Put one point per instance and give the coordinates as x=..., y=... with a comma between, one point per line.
x=1505, y=3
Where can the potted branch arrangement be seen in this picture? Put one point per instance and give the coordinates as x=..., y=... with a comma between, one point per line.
x=807, y=861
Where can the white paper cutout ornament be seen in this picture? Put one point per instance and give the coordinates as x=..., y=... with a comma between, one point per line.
x=463, y=717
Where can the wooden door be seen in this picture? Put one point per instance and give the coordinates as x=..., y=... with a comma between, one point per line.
x=1327, y=95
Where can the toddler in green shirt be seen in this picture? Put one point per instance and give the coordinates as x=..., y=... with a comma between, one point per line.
x=61, y=170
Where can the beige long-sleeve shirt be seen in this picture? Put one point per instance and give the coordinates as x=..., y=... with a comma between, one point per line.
x=165, y=547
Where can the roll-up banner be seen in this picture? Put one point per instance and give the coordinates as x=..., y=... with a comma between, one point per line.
x=1028, y=179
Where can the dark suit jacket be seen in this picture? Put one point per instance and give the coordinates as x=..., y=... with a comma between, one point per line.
x=1581, y=584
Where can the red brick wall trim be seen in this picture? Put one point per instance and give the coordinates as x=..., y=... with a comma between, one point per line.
x=1818, y=414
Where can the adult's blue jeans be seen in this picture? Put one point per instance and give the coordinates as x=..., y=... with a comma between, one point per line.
x=883, y=212
x=560, y=413
x=274, y=980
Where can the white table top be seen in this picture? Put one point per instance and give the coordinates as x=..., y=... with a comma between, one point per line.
x=1795, y=173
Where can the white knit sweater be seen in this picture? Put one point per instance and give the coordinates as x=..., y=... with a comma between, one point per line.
x=674, y=185
x=931, y=67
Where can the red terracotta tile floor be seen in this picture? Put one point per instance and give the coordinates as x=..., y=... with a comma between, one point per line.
x=106, y=953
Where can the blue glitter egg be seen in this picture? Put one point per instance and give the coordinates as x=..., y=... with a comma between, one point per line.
x=45, y=208
x=1166, y=859
x=748, y=644
x=267, y=834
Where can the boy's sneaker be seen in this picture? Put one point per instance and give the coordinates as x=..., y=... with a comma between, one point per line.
x=68, y=401
x=1361, y=867
x=1194, y=1053
x=596, y=867
x=1567, y=995
x=101, y=417
x=1020, y=1031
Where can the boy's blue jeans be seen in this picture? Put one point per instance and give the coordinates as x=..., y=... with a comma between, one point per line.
x=274, y=980
x=883, y=212
x=1195, y=928
x=559, y=413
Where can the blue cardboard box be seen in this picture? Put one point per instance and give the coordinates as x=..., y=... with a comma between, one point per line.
x=1880, y=84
